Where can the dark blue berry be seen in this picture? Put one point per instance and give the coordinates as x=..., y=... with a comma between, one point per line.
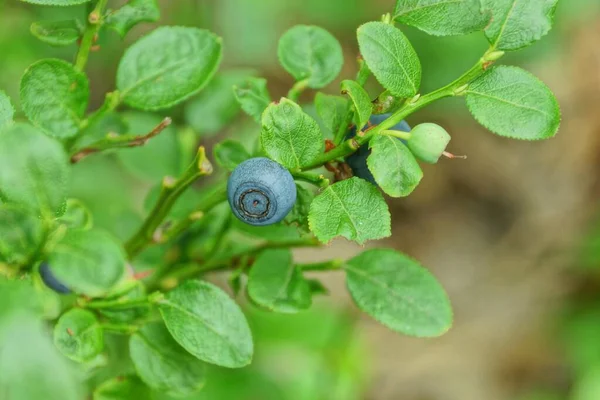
x=51, y=281
x=358, y=160
x=261, y=192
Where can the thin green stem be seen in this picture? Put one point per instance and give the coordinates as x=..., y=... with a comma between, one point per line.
x=322, y=266
x=171, y=190
x=124, y=329
x=361, y=77
x=296, y=90
x=399, y=134
x=317, y=180
x=95, y=21
x=118, y=304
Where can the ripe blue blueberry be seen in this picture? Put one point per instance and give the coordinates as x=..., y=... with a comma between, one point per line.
x=261, y=192
x=51, y=281
x=358, y=160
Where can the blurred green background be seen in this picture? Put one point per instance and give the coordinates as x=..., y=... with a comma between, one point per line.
x=511, y=232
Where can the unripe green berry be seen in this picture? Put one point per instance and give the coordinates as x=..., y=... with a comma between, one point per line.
x=428, y=142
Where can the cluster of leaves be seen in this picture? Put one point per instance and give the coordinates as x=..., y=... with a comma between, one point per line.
x=176, y=324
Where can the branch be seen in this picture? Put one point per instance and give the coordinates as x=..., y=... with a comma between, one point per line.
x=122, y=141
x=90, y=36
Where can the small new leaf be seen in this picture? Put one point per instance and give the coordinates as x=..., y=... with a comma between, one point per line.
x=133, y=13
x=7, y=110
x=230, y=153
x=276, y=283
x=208, y=324
x=78, y=335
x=391, y=58
x=352, y=208
x=513, y=103
x=163, y=364
x=398, y=292
x=167, y=66
x=360, y=99
x=442, y=17
x=253, y=96
x=311, y=53
x=517, y=24
x=289, y=135
x=54, y=96
x=57, y=33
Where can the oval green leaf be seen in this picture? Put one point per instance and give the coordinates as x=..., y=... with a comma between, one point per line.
x=167, y=66
x=390, y=57
x=311, y=53
x=54, y=96
x=163, y=364
x=133, y=13
x=352, y=208
x=57, y=33
x=122, y=388
x=78, y=335
x=360, y=99
x=208, y=324
x=398, y=292
x=230, y=153
x=253, y=96
x=21, y=234
x=332, y=110
x=513, y=103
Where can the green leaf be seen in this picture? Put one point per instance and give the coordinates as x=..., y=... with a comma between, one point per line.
x=163, y=364
x=167, y=66
x=30, y=366
x=442, y=17
x=289, y=135
x=133, y=13
x=20, y=234
x=88, y=262
x=311, y=53
x=276, y=233
x=208, y=324
x=159, y=157
x=34, y=169
x=230, y=153
x=332, y=110
x=352, y=208
x=398, y=292
x=253, y=96
x=216, y=106
x=76, y=216
x=391, y=58
x=56, y=2
x=299, y=213
x=131, y=313
x=54, y=96
x=517, y=24
x=122, y=388
x=513, y=103
x=7, y=110
x=57, y=33
x=361, y=100
x=276, y=283
x=393, y=166
x=78, y=335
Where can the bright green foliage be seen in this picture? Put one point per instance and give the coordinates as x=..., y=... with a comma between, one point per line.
x=208, y=324
x=34, y=170
x=289, y=135
x=311, y=53
x=20, y=234
x=88, y=262
x=122, y=388
x=76, y=215
x=516, y=24
x=391, y=58
x=56, y=2
x=393, y=166
x=253, y=96
x=398, y=292
x=78, y=335
x=361, y=101
x=57, y=33
x=443, y=17
x=167, y=66
x=133, y=13
x=353, y=208
x=276, y=283
x=216, y=106
x=54, y=96
x=428, y=142
x=299, y=214
x=230, y=153
x=163, y=364
x=513, y=103
x=132, y=313
x=332, y=110
x=7, y=110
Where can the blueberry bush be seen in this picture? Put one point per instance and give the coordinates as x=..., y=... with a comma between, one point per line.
x=308, y=179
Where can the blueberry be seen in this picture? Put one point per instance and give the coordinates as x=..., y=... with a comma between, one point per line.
x=51, y=281
x=358, y=160
x=261, y=192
